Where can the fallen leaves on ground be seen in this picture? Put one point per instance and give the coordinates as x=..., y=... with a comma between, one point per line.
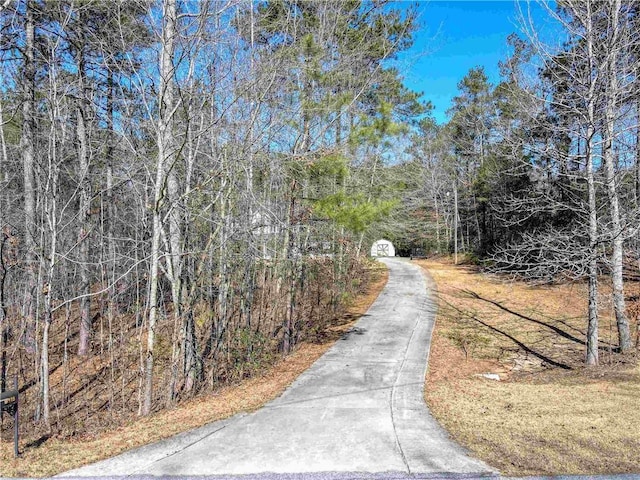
x=55, y=455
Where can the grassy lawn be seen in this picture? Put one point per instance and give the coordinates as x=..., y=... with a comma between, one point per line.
x=548, y=414
x=56, y=455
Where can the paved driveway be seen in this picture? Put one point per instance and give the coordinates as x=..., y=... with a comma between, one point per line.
x=359, y=408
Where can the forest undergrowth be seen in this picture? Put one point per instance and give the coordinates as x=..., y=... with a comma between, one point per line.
x=548, y=413
x=96, y=405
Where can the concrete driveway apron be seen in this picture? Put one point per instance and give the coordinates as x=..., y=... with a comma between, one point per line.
x=359, y=408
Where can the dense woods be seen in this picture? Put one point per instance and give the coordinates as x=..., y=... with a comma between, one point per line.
x=189, y=189
x=538, y=175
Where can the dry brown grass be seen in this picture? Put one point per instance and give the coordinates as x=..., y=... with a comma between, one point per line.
x=548, y=414
x=55, y=455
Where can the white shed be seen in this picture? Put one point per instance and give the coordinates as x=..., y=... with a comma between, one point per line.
x=383, y=248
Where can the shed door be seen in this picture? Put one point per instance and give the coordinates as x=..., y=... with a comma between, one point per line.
x=382, y=250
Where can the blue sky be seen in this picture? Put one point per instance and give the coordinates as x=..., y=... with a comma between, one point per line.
x=454, y=37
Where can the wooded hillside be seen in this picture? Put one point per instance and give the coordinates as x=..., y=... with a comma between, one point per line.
x=186, y=188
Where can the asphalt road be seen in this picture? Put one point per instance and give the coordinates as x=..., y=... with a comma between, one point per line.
x=359, y=409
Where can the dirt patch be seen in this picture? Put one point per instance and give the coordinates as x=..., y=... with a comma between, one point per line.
x=548, y=414
x=51, y=455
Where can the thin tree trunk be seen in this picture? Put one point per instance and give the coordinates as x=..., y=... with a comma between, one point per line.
x=51, y=213
x=455, y=222
x=27, y=147
x=592, y=327
x=164, y=135
x=110, y=265
x=637, y=165
x=435, y=203
x=175, y=263
x=288, y=259
x=624, y=336
x=191, y=363
x=4, y=165
x=110, y=209
x=4, y=328
x=84, y=215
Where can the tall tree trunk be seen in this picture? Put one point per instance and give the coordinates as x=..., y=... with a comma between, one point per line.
x=192, y=363
x=109, y=266
x=27, y=147
x=44, y=360
x=286, y=275
x=611, y=93
x=52, y=221
x=637, y=164
x=4, y=328
x=110, y=208
x=4, y=165
x=84, y=212
x=176, y=208
x=456, y=221
x=175, y=263
x=4, y=237
x=592, y=327
x=166, y=111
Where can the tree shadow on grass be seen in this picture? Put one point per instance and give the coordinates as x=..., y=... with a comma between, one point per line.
x=520, y=344
x=36, y=443
x=553, y=328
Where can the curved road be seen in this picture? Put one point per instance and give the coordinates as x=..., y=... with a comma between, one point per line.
x=359, y=408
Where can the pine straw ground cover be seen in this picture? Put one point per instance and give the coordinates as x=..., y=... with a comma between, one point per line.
x=548, y=414
x=56, y=455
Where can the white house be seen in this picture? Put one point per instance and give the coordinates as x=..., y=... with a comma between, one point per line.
x=383, y=248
